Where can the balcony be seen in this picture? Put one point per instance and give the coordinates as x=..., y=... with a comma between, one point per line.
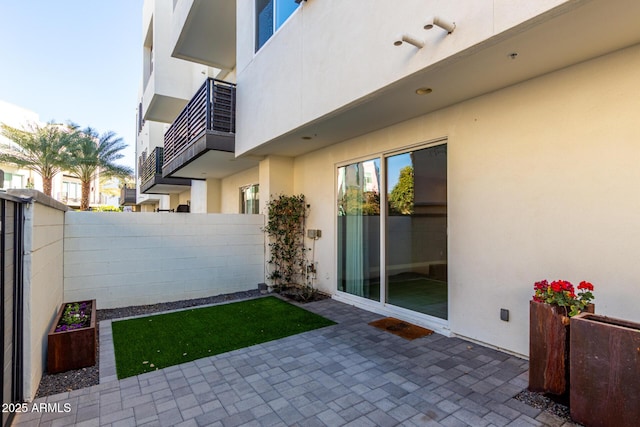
x=200, y=143
x=152, y=181
x=127, y=196
x=204, y=31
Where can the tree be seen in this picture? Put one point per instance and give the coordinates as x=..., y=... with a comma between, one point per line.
x=41, y=149
x=401, y=197
x=356, y=202
x=93, y=154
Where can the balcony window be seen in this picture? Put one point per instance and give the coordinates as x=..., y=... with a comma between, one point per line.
x=270, y=15
x=249, y=199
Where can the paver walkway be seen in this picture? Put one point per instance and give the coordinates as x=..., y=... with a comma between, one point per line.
x=347, y=374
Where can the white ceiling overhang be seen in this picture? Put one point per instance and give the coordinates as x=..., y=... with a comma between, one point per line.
x=552, y=41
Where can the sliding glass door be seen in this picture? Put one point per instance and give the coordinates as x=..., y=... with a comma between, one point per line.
x=409, y=218
x=416, y=231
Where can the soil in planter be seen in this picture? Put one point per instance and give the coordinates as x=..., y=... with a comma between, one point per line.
x=75, y=316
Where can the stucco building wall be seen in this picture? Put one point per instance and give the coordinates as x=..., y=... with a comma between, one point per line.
x=542, y=180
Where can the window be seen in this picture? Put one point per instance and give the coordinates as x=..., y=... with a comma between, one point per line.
x=249, y=199
x=270, y=15
x=12, y=180
x=71, y=191
x=140, y=121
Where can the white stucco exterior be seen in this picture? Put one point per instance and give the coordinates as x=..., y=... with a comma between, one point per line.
x=538, y=109
x=324, y=58
x=537, y=190
x=168, y=83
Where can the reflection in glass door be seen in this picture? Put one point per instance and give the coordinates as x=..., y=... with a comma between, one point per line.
x=359, y=229
x=416, y=231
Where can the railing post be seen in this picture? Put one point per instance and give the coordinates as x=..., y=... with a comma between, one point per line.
x=158, y=156
x=209, y=102
x=167, y=141
x=233, y=110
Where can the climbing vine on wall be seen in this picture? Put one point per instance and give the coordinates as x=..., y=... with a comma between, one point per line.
x=285, y=229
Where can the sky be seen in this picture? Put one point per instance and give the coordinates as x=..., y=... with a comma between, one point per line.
x=74, y=60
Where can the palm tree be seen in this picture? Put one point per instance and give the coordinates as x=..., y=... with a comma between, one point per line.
x=93, y=154
x=41, y=149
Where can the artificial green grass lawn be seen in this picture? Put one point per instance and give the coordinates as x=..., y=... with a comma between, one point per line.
x=149, y=343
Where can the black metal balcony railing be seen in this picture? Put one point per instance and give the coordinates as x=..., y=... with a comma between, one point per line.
x=152, y=166
x=211, y=110
x=151, y=179
x=127, y=195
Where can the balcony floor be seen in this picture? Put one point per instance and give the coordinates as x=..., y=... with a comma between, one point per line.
x=211, y=156
x=160, y=185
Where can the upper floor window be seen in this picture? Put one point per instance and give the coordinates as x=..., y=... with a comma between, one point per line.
x=71, y=192
x=270, y=15
x=12, y=180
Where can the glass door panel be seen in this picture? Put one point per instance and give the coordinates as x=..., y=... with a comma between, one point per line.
x=416, y=231
x=359, y=229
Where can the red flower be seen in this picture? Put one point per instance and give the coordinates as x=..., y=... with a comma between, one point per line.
x=541, y=286
x=585, y=285
x=556, y=286
x=562, y=293
x=566, y=286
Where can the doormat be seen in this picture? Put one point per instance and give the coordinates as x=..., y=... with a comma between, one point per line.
x=401, y=328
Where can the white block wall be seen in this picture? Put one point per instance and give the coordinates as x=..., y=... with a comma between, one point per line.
x=43, y=281
x=124, y=259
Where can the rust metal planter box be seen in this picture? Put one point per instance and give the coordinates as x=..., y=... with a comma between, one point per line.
x=605, y=371
x=549, y=349
x=73, y=349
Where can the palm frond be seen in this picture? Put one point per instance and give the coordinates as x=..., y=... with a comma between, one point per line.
x=39, y=148
x=93, y=154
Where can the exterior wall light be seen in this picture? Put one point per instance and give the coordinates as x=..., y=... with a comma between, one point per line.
x=400, y=38
x=439, y=22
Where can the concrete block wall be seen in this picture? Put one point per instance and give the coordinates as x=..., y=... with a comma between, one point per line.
x=43, y=280
x=124, y=259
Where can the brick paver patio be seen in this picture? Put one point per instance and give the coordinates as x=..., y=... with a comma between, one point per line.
x=347, y=374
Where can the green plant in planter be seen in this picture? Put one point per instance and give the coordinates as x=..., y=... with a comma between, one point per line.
x=75, y=316
x=288, y=254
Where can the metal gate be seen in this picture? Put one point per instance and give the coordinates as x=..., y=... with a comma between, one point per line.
x=11, y=302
